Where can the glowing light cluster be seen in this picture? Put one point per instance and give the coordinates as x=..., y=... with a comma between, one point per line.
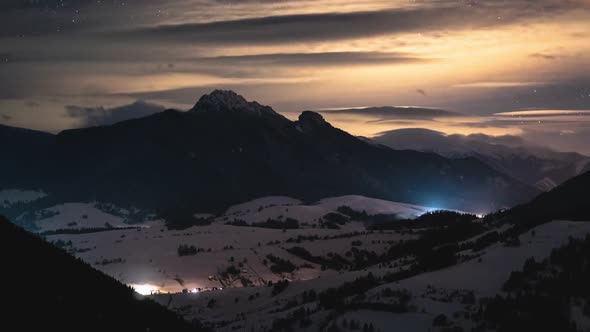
x=146, y=289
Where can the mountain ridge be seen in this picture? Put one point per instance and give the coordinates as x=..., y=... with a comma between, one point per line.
x=537, y=166
x=214, y=156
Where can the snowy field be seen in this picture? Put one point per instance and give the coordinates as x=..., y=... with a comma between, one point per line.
x=77, y=215
x=434, y=293
x=148, y=258
x=9, y=197
x=280, y=207
x=149, y=255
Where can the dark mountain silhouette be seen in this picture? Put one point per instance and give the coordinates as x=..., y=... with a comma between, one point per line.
x=47, y=289
x=23, y=155
x=227, y=150
x=537, y=166
x=14, y=139
x=568, y=201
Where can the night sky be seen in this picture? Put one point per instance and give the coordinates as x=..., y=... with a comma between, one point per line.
x=507, y=67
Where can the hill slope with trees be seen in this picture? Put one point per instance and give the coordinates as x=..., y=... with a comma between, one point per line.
x=46, y=288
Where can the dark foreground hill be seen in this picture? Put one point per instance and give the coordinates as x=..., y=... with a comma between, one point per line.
x=569, y=201
x=46, y=289
x=22, y=152
x=227, y=150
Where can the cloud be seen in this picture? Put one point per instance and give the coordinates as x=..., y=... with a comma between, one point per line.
x=497, y=84
x=329, y=26
x=386, y=113
x=544, y=113
x=337, y=26
x=476, y=57
x=99, y=116
x=564, y=94
x=224, y=22
x=546, y=120
x=431, y=140
x=544, y=56
x=570, y=137
x=314, y=59
x=32, y=104
x=191, y=63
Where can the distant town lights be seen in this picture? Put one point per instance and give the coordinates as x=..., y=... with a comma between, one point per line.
x=146, y=289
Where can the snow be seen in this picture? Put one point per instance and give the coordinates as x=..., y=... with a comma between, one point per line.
x=487, y=277
x=264, y=202
x=545, y=184
x=150, y=254
x=374, y=206
x=9, y=197
x=484, y=278
x=147, y=259
x=203, y=215
x=281, y=208
x=77, y=215
x=385, y=321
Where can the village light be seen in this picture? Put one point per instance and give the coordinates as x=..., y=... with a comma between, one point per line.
x=145, y=289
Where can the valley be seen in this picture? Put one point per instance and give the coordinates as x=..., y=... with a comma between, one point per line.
x=239, y=271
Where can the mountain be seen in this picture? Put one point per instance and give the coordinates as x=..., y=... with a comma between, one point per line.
x=47, y=289
x=13, y=139
x=537, y=166
x=23, y=151
x=226, y=150
x=568, y=201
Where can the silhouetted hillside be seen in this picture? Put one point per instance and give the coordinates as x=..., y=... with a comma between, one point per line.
x=23, y=156
x=46, y=289
x=569, y=201
x=544, y=296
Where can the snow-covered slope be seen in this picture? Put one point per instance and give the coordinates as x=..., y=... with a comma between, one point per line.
x=280, y=207
x=487, y=276
x=149, y=259
x=374, y=206
x=545, y=184
x=9, y=197
x=149, y=255
x=76, y=216
x=439, y=292
x=261, y=203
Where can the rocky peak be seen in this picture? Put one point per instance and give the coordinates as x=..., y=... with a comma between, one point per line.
x=228, y=101
x=313, y=119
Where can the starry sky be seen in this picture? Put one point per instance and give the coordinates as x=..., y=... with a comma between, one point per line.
x=497, y=67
